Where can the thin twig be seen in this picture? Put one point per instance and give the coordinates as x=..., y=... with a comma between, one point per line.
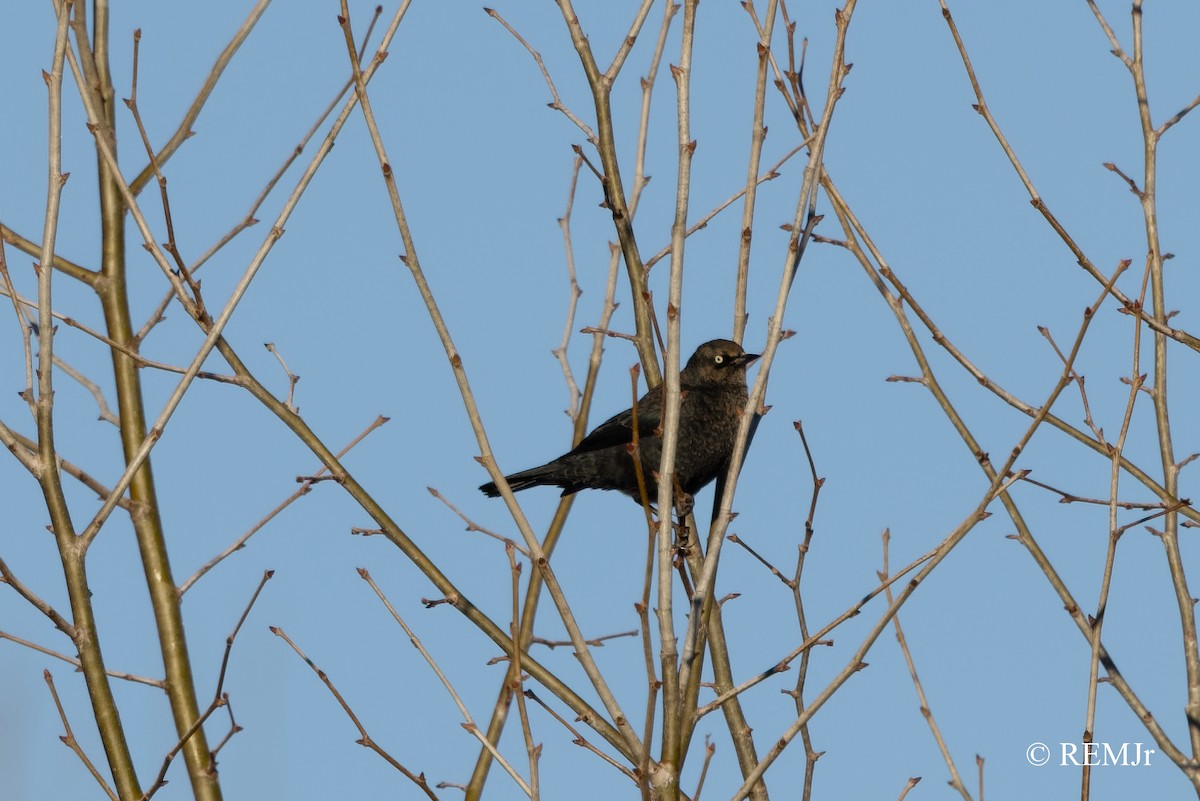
x=116, y=674
x=517, y=676
x=23, y=324
x=1069, y=497
x=248, y=219
x=556, y=103
x=771, y=174
x=579, y=739
x=69, y=740
x=25, y=449
x=911, y=783
x=473, y=526
x=600, y=84
x=596, y=641
x=64, y=266
x=1081, y=258
x=758, y=134
x=106, y=414
x=469, y=723
x=411, y=260
x=364, y=738
x=266, y=576
x=811, y=755
x=305, y=487
x=293, y=379
x=125, y=350
x=955, y=779
x=560, y=353
x=818, y=638
x=60, y=622
x=853, y=228
x=184, y=131
x=220, y=699
x=160, y=781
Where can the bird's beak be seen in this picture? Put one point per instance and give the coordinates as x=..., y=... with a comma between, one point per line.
x=747, y=359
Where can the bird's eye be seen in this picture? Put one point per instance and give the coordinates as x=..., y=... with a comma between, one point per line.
x=720, y=359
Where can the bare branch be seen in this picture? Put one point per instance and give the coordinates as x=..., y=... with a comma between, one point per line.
x=69, y=740
x=364, y=738
x=556, y=103
x=116, y=674
x=305, y=488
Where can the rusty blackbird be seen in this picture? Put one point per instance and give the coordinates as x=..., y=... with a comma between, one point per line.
x=712, y=396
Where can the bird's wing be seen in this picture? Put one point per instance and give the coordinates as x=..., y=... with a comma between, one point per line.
x=618, y=429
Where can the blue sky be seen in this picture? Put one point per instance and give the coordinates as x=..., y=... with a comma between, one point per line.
x=483, y=167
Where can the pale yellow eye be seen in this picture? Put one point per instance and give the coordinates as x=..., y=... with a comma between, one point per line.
x=719, y=359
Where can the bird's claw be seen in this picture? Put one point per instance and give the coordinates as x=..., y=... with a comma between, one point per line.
x=684, y=503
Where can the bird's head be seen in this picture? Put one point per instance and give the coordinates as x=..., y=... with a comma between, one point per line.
x=720, y=361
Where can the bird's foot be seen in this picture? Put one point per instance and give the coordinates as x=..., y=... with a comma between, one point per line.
x=684, y=503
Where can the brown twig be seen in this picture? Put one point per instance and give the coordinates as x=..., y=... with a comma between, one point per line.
x=248, y=219
x=1068, y=497
x=266, y=576
x=560, y=353
x=556, y=103
x=640, y=179
x=592, y=329
x=23, y=324
x=517, y=677
x=234, y=728
x=160, y=781
x=1097, y=432
x=305, y=488
x=170, y=246
x=600, y=84
x=364, y=738
x=709, y=750
x=579, y=739
x=184, y=131
x=125, y=350
x=1081, y=258
x=811, y=755
x=469, y=723
x=116, y=674
x=65, y=266
x=69, y=740
x=293, y=379
x=25, y=449
x=596, y=641
x=220, y=699
x=819, y=638
x=473, y=526
x=911, y=783
x=60, y=622
x=926, y=711
x=736, y=540
x=412, y=261
x=771, y=174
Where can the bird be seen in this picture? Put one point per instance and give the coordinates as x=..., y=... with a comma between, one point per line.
x=712, y=396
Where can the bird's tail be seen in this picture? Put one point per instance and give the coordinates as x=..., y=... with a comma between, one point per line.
x=534, y=477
